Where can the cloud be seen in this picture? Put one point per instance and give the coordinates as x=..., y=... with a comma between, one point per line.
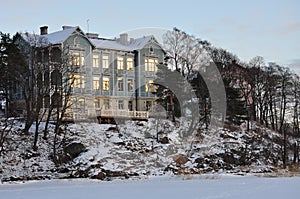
x=293, y=25
x=288, y=27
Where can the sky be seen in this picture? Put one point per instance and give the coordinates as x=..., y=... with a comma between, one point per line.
x=267, y=28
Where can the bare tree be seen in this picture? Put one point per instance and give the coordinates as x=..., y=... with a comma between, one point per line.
x=296, y=107
x=63, y=81
x=185, y=53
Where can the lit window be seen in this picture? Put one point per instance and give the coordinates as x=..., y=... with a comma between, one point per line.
x=97, y=103
x=106, y=104
x=150, y=86
x=151, y=64
x=129, y=64
x=82, y=60
x=96, y=61
x=77, y=60
x=130, y=85
x=82, y=81
x=105, y=61
x=121, y=104
x=120, y=84
x=105, y=83
x=120, y=63
x=96, y=83
x=77, y=81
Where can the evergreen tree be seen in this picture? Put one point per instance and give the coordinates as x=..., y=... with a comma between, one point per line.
x=236, y=110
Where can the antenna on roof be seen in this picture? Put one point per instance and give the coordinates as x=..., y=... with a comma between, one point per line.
x=88, y=27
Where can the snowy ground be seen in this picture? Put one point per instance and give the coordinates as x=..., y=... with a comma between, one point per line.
x=203, y=186
x=134, y=151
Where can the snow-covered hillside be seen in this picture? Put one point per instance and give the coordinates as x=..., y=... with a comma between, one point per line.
x=134, y=149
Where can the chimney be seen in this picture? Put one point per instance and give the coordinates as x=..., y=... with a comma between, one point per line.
x=92, y=35
x=66, y=27
x=124, y=39
x=44, y=30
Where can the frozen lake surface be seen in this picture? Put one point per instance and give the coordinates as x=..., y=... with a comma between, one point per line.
x=157, y=187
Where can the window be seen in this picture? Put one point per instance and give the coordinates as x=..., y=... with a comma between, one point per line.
x=77, y=81
x=56, y=100
x=76, y=41
x=130, y=105
x=151, y=64
x=121, y=104
x=105, y=83
x=148, y=105
x=82, y=60
x=97, y=103
x=105, y=61
x=150, y=86
x=96, y=83
x=130, y=85
x=120, y=84
x=129, y=64
x=81, y=103
x=77, y=60
x=96, y=61
x=106, y=104
x=151, y=51
x=120, y=63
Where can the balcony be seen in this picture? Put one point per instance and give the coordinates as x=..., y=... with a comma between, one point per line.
x=123, y=114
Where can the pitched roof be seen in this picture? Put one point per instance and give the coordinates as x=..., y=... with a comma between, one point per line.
x=109, y=44
x=135, y=44
x=59, y=36
x=51, y=38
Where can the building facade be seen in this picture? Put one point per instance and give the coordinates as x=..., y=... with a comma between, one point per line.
x=113, y=77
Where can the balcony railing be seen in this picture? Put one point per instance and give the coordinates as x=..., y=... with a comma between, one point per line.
x=122, y=114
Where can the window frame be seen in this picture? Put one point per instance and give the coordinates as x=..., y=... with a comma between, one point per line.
x=120, y=63
x=120, y=83
x=77, y=81
x=129, y=64
x=96, y=63
x=96, y=83
x=151, y=64
x=105, y=83
x=121, y=104
x=128, y=85
x=105, y=62
x=106, y=104
x=149, y=86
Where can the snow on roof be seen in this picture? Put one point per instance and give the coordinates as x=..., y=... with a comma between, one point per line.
x=52, y=38
x=135, y=44
x=60, y=36
x=139, y=42
x=109, y=44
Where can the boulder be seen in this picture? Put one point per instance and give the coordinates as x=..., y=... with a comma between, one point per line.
x=74, y=149
x=180, y=159
x=164, y=140
x=99, y=176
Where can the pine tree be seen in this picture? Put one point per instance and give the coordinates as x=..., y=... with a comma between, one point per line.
x=236, y=110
